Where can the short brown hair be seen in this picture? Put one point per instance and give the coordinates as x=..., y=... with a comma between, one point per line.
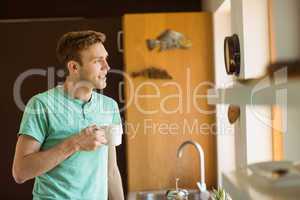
x=70, y=44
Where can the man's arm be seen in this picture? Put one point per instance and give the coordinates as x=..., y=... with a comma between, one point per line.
x=115, y=189
x=30, y=162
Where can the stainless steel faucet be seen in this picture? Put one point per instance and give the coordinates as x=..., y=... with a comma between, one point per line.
x=201, y=184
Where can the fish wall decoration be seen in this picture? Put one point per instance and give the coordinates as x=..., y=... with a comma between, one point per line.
x=169, y=39
x=152, y=73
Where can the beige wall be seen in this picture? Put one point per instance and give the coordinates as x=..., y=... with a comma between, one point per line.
x=286, y=28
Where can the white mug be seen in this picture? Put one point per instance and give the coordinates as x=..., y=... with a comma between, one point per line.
x=113, y=134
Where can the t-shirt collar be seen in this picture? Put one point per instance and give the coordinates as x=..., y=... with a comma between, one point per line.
x=79, y=101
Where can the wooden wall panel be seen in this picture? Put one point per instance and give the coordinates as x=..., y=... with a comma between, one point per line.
x=151, y=152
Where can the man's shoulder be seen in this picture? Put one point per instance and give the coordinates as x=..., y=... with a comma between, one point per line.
x=45, y=96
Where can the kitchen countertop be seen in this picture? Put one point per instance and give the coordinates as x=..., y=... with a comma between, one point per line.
x=133, y=195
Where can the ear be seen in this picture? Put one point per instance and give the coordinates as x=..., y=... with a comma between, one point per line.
x=73, y=66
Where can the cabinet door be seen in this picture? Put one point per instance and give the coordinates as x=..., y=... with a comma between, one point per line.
x=173, y=111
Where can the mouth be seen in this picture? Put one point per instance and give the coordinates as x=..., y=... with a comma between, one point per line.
x=102, y=78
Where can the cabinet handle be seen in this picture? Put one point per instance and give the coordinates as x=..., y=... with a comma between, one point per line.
x=119, y=40
x=121, y=94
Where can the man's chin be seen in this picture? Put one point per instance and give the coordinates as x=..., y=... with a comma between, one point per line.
x=101, y=86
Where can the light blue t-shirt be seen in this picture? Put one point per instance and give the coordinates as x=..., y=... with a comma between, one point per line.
x=52, y=116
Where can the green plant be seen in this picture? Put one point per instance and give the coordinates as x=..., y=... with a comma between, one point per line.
x=219, y=194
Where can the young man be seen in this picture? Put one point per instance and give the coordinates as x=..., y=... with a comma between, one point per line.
x=61, y=143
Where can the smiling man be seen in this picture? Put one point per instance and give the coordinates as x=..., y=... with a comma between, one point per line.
x=61, y=143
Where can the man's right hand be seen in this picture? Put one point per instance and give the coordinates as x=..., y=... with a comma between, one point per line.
x=91, y=138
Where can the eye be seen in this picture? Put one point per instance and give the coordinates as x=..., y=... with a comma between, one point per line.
x=104, y=61
x=97, y=61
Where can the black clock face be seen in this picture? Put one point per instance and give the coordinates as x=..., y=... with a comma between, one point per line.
x=232, y=54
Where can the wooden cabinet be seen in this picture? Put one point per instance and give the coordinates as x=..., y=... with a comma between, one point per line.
x=159, y=122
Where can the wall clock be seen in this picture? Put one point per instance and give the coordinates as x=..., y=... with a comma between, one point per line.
x=232, y=54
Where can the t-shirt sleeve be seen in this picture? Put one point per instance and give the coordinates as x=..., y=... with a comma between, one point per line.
x=117, y=117
x=34, y=121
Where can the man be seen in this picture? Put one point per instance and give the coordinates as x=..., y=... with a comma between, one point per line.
x=61, y=143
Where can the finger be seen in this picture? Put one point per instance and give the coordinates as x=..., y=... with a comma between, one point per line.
x=104, y=140
x=89, y=130
x=94, y=127
x=100, y=140
x=100, y=131
x=101, y=128
x=100, y=137
x=90, y=126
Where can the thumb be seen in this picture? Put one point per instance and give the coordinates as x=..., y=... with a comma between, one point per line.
x=94, y=126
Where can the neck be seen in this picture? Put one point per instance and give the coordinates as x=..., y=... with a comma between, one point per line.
x=78, y=89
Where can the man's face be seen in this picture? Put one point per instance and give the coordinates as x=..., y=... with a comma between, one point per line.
x=94, y=66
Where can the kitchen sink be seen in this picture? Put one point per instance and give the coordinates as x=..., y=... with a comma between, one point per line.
x=161, y=195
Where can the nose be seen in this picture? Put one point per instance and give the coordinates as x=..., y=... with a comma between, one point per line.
x=108, y=67
x=105, y=66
